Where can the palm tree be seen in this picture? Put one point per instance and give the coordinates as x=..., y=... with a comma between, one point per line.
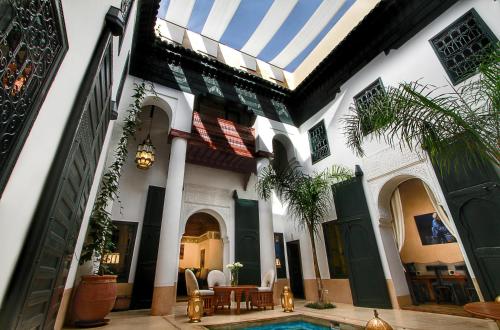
x=465, y=121
x=308, y=198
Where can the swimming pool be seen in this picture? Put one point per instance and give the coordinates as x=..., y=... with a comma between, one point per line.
x=293, y=325
x=298, y=322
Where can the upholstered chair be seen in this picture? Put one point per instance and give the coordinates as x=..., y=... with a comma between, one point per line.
x=222, y=299
x=206, y=295
x=264, y=296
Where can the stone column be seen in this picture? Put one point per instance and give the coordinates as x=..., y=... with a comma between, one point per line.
x=266, y=230
x=164, y=293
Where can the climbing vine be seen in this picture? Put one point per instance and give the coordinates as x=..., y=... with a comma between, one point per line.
x=99, y=236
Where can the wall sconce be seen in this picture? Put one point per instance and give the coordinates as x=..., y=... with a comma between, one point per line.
x=278, y=263
x=145, y=155
x=111, y=258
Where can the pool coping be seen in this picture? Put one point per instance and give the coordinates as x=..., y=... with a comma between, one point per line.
x=307, y=316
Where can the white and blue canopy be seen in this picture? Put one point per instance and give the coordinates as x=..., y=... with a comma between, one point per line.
x=280, y=32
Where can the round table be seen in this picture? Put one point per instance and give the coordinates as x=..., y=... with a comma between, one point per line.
x=238, y=292
x=490, y=310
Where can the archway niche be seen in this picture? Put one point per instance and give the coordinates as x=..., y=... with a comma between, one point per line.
x=415, y=252
x=203, y=248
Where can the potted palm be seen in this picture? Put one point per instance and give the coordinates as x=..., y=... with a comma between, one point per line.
x=308, y=199
x=96, y=293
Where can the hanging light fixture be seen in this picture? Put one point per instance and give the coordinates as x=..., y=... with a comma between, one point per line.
x=145, y=155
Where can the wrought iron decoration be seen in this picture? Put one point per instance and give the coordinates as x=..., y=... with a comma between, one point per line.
x=32, y=45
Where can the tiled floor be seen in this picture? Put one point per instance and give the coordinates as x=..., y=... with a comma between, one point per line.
x=399, y=319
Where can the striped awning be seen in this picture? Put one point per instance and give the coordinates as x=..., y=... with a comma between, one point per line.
x=280, y=32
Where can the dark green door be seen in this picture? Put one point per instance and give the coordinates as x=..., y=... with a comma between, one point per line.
x=366, y=275
x=142, y=293
x=295, y=269
x=35, y=291
x=247, y=242
x=473, y=196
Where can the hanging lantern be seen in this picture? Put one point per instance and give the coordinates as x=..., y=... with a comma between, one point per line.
x=145, y=155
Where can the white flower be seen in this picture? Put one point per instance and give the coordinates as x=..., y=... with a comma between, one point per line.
x=230, y=266
x=238, y=264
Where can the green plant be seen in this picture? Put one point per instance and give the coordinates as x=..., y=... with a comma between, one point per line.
x=465, y=121
x=317, y=305
x=308, y=198
x=98, y=241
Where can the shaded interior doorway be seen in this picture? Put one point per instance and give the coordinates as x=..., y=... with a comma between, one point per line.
x=435, y=269
x=201, y=251
x=295, y=269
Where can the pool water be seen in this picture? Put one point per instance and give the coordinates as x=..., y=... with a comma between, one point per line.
x=297, y=322
x=294, y=325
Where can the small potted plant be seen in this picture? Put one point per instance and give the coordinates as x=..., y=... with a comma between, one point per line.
x=234, y=269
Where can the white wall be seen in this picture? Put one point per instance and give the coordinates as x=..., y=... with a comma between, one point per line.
x=84, y=21
x=414, y=60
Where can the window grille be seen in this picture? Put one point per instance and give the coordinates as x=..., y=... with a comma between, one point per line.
x=319, y=142
x=365, y=97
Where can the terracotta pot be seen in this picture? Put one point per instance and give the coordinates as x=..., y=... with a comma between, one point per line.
x=94, y=299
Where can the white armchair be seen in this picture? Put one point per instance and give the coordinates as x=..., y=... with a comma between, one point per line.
x=206, y=295
x=264, y=296
x=217, y=278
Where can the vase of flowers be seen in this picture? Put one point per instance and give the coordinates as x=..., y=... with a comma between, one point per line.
x=234, y=269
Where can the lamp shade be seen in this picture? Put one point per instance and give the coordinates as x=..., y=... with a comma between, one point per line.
x=145, y=155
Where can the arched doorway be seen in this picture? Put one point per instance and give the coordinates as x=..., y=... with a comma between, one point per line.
x=425, y=239
x=201, y=250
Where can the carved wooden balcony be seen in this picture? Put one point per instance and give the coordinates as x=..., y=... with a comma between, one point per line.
x=220, y=143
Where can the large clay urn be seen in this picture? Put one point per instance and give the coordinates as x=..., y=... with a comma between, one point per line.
x=94, y=299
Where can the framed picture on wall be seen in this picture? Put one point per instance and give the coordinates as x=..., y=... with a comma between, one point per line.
x=432, y=230
x=181, y=252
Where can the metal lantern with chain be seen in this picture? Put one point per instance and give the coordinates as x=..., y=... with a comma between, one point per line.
x=145, y=155
x=287, y=300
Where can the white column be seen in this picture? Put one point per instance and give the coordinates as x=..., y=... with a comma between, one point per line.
x=168, y=249
x=266, y=230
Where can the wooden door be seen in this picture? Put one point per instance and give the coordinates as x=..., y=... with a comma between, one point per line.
x=473, y=196
x=366, y=275
x=142, y=293
x=295, y=269
x=36, y=289
x=247, y=240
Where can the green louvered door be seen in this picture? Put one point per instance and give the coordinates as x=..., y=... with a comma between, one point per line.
x=473, y=196
x=366, y=275
x=247, y=243
x=142, y=294
x=36, y=289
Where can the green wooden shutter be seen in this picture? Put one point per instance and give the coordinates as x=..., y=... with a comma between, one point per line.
x=247, y=243
x=473, y=196
x=36, y=288
x=366, y=275
x=142, y=294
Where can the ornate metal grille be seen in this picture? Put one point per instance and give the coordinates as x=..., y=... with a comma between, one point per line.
x=32, y=44
x=460, y=46
x=125, y=7
x=319, y=142
x=365, y=97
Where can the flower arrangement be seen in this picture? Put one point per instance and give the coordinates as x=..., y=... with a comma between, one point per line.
x=234, y=268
